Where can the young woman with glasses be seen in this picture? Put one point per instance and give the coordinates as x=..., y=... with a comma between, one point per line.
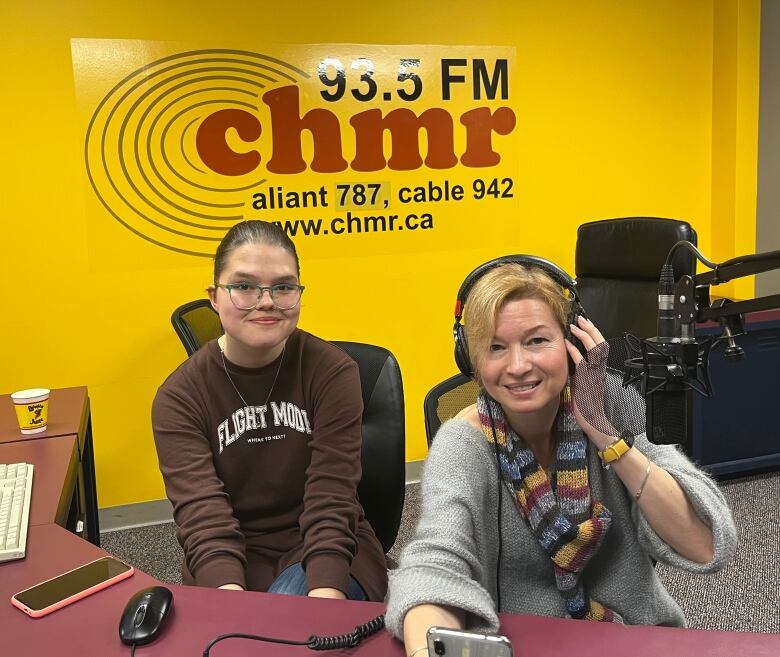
x=258, y=435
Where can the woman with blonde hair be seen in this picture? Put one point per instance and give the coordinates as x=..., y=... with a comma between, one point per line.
x=529, y=507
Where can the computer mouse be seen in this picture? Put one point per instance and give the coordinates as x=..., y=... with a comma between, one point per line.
x=144, y=615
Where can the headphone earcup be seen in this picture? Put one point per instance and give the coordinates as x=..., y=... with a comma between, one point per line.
x=575, y=312
x=462, y=359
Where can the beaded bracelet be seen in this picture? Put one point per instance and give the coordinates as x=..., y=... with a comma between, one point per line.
x=638, y=494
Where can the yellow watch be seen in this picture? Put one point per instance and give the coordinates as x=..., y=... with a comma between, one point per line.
x=616, y=450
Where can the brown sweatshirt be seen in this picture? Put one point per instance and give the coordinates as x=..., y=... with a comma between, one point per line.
x=256, y=487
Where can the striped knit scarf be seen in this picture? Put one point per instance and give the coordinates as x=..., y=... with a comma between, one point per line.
x=567, y=523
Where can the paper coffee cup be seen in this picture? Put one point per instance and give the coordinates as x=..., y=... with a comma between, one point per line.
x=32, y=409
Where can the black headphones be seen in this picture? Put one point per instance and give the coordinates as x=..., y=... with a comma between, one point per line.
x=550, y=268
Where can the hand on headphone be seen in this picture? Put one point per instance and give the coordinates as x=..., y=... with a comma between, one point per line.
x=590, y=337
x=589, y=382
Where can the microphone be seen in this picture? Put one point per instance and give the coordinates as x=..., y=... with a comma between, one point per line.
x=667, y=367
x=668, y=329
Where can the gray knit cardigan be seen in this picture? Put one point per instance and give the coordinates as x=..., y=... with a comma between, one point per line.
x=452, y=558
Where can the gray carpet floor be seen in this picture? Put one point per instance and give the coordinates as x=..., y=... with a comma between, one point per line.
x=745, y=596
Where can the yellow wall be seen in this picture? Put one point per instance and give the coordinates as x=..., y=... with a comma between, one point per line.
x=616, y=118
x=735, y=135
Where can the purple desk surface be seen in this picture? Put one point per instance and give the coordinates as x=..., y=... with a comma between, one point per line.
x=66, y=410
x=55, y=463
x=556, y=637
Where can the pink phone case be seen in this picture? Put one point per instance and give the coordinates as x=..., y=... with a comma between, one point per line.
x=37, y=613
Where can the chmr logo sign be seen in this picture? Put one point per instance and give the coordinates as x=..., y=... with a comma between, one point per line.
x=288, y=124
x=184, y=147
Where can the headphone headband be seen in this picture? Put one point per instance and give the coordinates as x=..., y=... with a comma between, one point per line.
x=550, y=268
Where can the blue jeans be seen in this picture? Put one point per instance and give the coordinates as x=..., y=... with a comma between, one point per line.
x=292, y=581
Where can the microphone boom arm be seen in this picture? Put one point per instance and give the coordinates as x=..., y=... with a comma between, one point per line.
x=691, y=295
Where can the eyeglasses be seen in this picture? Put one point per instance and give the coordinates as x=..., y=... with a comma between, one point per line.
x=246, y=296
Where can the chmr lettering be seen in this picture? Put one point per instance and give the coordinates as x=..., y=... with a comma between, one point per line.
x=403, y=125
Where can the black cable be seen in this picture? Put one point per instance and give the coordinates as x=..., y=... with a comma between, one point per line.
x=132, y=650
x=696, y=252
x=500, y=500
x=313, y=642
x=348, y=640
x=253, y=637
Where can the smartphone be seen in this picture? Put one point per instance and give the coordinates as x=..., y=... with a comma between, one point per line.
x=456, y=643
x=73, y=585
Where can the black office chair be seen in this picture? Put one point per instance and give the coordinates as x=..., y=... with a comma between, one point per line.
x=617, y=267
x=383, y=457
x=617, y=264
x=445, y=400
x=383, y=484
x=196, y=323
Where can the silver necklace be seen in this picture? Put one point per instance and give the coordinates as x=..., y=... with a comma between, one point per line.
x=227, y=374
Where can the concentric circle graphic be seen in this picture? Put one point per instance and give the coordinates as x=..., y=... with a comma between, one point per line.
x=140, y=147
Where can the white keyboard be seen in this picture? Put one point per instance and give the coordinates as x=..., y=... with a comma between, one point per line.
x=15, y=493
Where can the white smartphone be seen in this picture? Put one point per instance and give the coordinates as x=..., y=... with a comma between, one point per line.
x=456, y=643
x=73, y=585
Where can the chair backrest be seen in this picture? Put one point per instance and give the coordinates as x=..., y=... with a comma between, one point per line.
x=618, y=264
x=446, y=400
x=196, y=323
x=383, y=484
